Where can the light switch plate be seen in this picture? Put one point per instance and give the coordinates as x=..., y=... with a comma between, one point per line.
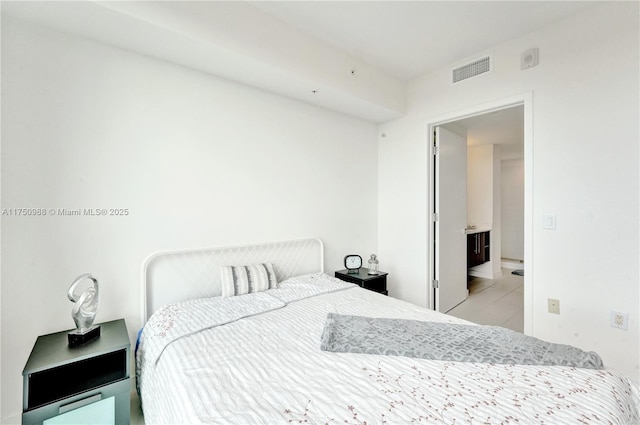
x=549, y=222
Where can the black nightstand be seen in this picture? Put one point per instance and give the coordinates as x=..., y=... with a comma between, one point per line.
x=373, y=282
x=90, y=382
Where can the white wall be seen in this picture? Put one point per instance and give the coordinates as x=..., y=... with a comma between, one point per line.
x=483, y=202
x=512, y=208
x=480, y=185
x=585, y=170
x=496, y=233
x=198, y=161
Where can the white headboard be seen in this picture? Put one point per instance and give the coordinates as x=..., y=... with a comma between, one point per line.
x=173, y=276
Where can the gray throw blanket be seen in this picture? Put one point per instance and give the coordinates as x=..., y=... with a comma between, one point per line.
x=448, y=342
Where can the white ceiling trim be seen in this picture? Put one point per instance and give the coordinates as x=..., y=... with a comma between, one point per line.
x=232, y=40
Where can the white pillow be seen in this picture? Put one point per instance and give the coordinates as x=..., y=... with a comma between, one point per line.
x=239, y=280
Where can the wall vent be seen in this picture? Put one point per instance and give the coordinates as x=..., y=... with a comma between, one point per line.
x=476, y=67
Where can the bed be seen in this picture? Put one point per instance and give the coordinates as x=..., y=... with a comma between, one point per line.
x=206, y=355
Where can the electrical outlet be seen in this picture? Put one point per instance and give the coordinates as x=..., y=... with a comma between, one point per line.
x=553, y=305
x=619, y=320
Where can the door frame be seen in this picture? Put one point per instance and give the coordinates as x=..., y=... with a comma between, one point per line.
x=526, y=100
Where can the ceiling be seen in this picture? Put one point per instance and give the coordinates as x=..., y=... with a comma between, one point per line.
x=355, y=57
x=504, y=127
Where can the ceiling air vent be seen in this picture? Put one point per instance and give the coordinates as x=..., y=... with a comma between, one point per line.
x=471, y=69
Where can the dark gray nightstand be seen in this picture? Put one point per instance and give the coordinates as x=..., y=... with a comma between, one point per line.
x=377, y=282
x=90, y=382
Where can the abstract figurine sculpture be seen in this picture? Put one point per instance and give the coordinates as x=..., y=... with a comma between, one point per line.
x=84, y=310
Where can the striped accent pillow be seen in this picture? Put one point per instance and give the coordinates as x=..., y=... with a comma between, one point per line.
x=239, y=280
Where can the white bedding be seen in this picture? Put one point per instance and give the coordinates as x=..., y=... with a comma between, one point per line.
x=267, y=368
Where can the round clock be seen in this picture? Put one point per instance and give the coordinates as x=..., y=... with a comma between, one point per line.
x=352, y=263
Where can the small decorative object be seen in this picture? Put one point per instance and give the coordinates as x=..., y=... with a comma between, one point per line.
x=373, y=265
x=84, y=310
x=352, y=263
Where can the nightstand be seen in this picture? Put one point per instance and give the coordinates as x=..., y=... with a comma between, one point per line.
x=373, y=282
x=89, y=383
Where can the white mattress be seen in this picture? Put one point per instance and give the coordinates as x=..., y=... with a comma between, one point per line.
x=267, y=368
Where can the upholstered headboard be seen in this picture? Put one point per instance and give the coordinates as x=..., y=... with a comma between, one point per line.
x=173, y=276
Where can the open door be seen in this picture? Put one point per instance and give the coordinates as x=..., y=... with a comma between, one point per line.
x=450, y=219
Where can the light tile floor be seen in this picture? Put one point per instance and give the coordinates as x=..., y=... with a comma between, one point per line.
x=497, y=302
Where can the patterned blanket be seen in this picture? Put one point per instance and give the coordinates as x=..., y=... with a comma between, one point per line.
x=448, y=342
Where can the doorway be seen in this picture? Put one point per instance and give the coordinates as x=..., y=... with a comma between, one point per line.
x=495, y=188
x=442, y=285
